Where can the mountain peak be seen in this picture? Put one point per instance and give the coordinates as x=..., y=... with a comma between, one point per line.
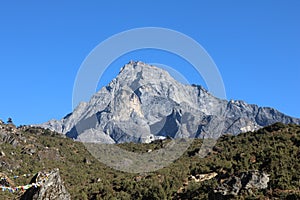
x=134, y=64
x=144, y=103
x=138, y=71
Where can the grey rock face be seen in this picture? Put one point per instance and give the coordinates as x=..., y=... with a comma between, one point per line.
x=8, y=134
x=243, y=181
x=144, y=103
x=52, y=188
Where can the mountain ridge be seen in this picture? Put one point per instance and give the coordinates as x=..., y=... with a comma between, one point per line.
x=144, y=103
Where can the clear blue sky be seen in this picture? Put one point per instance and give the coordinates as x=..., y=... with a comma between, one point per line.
x=255, y=45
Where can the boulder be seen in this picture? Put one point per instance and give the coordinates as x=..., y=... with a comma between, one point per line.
x=244, y=181
x=51, y=187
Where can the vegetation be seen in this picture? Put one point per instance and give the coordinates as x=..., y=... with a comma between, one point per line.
x=274, y=150
x=9, y=120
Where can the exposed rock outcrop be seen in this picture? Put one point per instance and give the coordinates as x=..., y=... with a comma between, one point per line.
x=244, y=181
x=8, y=133
x=202, y=177
x=52, y=187
x=197, y=178
x=144, y=103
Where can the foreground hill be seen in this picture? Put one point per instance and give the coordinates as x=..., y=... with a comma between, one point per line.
x=144, y=103
x=269, y=156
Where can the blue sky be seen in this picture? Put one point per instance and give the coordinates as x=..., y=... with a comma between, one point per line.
x=255, y=45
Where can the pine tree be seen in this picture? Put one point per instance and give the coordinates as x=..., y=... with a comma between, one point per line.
x=9, y=120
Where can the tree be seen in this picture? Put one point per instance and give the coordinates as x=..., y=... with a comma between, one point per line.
x=9, y=120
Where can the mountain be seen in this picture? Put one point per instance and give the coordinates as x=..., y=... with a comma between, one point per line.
x=144, y=103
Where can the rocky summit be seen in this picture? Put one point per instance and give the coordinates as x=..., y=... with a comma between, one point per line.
x=144, y=103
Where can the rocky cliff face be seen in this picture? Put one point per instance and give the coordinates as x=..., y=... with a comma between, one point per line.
x=51, y=187
x=247, y=181
x=144, y=103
